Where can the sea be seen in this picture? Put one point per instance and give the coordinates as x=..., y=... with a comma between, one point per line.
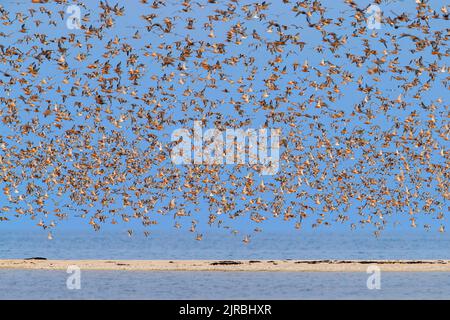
x=45, y=284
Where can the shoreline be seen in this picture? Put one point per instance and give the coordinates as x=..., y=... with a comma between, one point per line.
x=231, y=265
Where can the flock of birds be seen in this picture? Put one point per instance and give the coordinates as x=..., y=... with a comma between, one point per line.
x=86, y=115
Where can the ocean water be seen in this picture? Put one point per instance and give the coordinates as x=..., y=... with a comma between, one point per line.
x=44, y=284
x=266, y=245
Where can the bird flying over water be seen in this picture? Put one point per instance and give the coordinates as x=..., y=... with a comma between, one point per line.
x=86, y=113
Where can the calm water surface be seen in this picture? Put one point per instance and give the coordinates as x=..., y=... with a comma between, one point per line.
x=22, y=284
x=36, y=284
x=182, y=245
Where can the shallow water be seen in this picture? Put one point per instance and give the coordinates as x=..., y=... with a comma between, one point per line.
x=40, y=284
x=23, y=284
x=181, y=245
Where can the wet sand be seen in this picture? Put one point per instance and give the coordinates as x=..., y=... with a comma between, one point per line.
x=232, y=265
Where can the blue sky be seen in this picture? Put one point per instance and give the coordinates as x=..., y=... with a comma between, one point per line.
x=126, y=26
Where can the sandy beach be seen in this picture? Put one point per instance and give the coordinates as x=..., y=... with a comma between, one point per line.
x=233, y=265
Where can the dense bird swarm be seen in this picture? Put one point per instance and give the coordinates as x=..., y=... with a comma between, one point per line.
x=87, y=114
